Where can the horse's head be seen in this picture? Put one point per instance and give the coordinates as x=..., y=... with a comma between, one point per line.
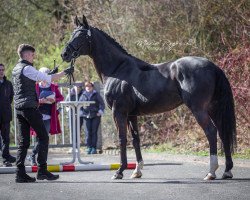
x=80, y=41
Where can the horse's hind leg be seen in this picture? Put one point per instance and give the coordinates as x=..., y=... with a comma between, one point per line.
x=229, y=162
x=133, y=128
x=210, y=130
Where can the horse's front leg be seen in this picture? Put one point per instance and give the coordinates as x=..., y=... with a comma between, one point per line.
x=121, y=125
x=133, y=128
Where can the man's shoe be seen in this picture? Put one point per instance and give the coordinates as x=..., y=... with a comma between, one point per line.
x=24, y=178
x=45, y=174
x=7, y=164
x=12, y=159
x=93, y=151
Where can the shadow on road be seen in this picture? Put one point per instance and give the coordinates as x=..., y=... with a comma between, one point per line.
x=153, y=164
x=154, y=181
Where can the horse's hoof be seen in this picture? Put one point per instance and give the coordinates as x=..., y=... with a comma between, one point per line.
x=227, y=175
x=117, y=176
x=209, y=177
x=136, y=175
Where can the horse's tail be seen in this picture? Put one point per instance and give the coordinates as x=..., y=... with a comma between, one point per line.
x=223, y=112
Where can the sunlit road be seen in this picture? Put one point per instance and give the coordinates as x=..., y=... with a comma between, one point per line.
x=164, y=177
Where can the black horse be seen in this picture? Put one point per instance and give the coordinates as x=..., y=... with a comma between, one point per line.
x=134, y=88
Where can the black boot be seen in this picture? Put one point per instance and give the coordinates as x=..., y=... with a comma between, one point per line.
x=45, y=174
x=12, y=159
x=7, y=163
x=24, y=178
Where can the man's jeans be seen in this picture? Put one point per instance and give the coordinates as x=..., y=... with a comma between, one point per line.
x=47, y=126
x=25, y=119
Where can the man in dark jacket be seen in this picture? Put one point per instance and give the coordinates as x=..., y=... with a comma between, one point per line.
x=25, y=77
x=6, y=98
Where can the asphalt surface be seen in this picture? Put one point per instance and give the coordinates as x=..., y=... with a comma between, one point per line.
x=164, y=177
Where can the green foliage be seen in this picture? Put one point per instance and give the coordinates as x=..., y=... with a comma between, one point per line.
x=46, y=59
x=245, y=154
x=18, y=25
x=171, y=149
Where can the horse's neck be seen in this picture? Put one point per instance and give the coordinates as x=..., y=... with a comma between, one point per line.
x=106, y=55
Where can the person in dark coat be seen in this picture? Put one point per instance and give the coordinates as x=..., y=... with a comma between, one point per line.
x=91, y=115
x=6, y=98
x=28, y=115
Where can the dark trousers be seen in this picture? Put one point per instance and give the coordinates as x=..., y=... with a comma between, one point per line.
x=25, y=119
x=91, y=127
x=35, y=149
x=5, y=137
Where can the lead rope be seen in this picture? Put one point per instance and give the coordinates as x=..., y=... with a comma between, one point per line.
x=71, y=75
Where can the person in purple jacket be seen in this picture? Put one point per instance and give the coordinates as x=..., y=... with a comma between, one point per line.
x=91, y=115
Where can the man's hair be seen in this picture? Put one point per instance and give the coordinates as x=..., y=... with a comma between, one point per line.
x=24, y=47
x=1, y=64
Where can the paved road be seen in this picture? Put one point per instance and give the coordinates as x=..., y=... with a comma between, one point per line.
x=164, y=177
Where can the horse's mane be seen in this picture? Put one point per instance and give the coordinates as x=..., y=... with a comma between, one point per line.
x=113, y=41
x=141, y=64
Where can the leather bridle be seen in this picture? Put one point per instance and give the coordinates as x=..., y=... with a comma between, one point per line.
x=76, y=52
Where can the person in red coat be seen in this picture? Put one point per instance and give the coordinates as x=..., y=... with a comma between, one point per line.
x=48, y=95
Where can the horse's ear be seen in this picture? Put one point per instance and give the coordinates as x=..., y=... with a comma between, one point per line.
x=85, y=22
x=77, y=22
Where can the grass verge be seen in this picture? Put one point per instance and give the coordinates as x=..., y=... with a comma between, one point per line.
x=170, y=148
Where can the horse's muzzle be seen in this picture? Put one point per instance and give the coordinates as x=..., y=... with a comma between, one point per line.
x=65, y=56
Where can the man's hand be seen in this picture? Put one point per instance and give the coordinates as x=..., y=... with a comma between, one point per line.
x=53, y=71
x=69, y=71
